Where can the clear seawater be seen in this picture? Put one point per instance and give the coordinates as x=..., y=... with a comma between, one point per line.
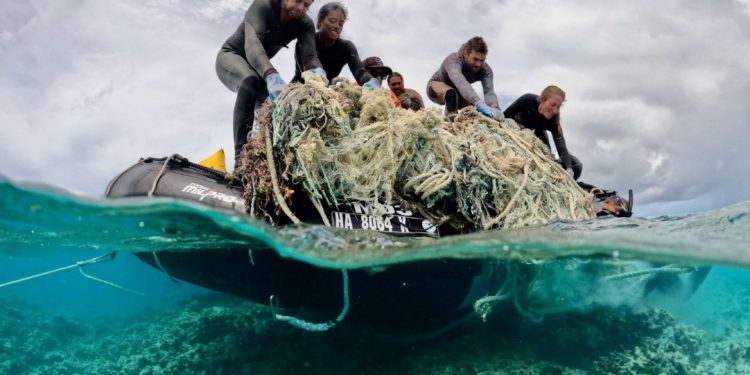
x=66, y=322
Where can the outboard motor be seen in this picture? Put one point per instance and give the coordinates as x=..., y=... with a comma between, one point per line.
x=608, y=202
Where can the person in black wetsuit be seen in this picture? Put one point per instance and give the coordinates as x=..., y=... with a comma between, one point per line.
x=541, y=113
x=243, y=63
x=333, y=51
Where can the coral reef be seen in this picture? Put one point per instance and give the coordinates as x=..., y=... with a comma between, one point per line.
x=223, y=335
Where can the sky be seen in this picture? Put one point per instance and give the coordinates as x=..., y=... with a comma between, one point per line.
x=657, y=93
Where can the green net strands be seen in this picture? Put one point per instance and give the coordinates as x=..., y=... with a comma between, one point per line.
x=340, y=143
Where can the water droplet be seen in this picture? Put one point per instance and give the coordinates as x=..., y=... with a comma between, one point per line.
x=506, y=248
x=141, y=224
x=615, y=254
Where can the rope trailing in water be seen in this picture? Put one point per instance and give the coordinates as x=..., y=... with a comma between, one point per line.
x=105, y=282
x=484, y=306
x=670, y=268
x=158, y=264
x=315, y=327
x=509, y=289
x=79, y=265
x=344, y=144
x=318, y=327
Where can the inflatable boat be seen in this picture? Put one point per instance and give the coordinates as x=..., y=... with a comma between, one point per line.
x=403, y=299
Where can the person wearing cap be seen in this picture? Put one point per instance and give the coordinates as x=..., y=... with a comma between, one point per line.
x=451, y=84
x=541, y=113
x=333, y=51
x=243, y=63
x=410, y=99
x=374, y=65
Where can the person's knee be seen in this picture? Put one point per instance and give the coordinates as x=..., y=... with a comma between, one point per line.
x=232, y=69
x=433, y=94
x=250, y=86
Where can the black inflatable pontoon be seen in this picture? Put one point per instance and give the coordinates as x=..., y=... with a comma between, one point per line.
x=405, y=299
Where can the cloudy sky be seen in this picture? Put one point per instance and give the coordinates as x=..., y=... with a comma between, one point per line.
x=658, y=93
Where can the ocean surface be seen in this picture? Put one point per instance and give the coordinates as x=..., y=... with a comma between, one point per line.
x=666, y=295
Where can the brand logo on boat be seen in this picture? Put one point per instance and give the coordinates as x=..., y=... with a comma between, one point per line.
x=207, y=193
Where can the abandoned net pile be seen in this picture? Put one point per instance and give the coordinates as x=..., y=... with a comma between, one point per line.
x=338, y=144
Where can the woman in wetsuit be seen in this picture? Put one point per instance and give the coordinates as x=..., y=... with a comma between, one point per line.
x=333, y=51
x=541, y=113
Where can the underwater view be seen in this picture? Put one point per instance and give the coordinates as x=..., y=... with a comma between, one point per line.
x=84, y=291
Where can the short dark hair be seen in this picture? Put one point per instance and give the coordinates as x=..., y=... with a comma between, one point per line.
x=395, y=74
x=330, y=7
x=476, y=44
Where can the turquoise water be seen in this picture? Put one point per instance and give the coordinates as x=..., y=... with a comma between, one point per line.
x=43, y=228
x=36, y=218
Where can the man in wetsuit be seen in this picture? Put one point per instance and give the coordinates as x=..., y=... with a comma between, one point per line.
x=333, y=51
x=410, y=99
x=451, y=84
x=244, y=61
x=541, y=113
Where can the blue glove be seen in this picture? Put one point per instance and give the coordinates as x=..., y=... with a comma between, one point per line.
x=275, y=85
x=320, y=73
x=372, y=84
x=490, y=112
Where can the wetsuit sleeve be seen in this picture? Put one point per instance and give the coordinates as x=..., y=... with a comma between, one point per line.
x=297, y=63
x=452, y=65
x=513, y=110
x=542, y=135
x=355, y=65
x=489, y=90
x=562, y=149
x=255, y=24
x=307, y=51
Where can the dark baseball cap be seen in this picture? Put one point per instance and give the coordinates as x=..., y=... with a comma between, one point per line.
x=375, y=63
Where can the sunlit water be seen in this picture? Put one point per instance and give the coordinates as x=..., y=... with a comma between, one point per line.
x=44, y=229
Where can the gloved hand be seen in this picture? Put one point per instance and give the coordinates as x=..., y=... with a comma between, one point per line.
x=275, y=85
x=372, y=84
x=320, y=73
x=490, y=112
x=570, y=172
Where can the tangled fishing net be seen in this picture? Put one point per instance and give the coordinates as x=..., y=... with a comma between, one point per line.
x=319, y=147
